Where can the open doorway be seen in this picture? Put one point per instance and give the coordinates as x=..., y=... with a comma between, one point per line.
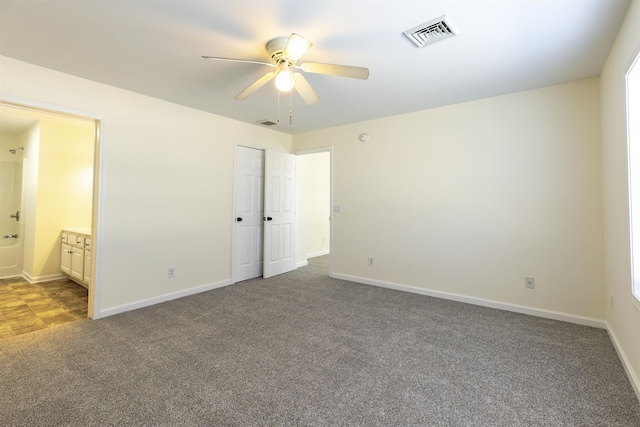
x=314, y=208
x=51, y=182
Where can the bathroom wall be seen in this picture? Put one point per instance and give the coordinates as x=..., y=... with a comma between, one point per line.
x=64, y=191
x=30, y=140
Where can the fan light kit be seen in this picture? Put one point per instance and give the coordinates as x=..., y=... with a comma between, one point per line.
x=284, y=78
x=284, y=54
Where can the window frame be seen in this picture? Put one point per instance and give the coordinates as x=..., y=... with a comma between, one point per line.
x=632, y=73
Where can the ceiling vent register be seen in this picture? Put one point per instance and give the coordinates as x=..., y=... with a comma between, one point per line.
x=266, y=122
x=432, y=31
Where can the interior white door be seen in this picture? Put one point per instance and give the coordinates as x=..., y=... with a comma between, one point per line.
x=248, y=213
x=279, y=213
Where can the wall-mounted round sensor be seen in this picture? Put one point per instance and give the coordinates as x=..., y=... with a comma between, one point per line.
x=363, y=137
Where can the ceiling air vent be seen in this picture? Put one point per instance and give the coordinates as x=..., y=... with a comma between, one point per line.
x=266, y=122
x=432, y=31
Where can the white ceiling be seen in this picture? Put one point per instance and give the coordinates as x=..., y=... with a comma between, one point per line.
x=154, y=48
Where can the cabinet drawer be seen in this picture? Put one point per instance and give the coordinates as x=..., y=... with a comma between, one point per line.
x=64, y=238
x=79, y=241
x=87, y=244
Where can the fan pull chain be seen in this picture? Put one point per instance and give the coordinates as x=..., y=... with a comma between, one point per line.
x=290, y=108
x=278, y=108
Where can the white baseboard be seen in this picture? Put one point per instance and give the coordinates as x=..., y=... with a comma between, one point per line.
x=40, y=279
x=547, y=314
x=162, y=298
x=631, y=374
x=315, y=254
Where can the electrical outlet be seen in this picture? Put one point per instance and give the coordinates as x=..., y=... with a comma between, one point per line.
x=171, y=272
x=529, y=283
x=370, y=261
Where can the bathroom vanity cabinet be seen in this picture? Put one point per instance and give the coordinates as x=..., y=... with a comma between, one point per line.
x=75, y=255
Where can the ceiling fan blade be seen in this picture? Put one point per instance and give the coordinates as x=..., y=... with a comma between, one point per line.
x=336, y=70
x=296, y=47
x=218, y=58
x=305, y=90
x=255, y=85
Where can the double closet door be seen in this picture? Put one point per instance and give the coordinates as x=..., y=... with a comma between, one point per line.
x=264, y=213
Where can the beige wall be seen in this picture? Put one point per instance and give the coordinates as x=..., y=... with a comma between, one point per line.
x=167, y=182
x=314, y=210
x=64, y=191
x=624, y=317
x=30, y=140
x=466, y=199
x=471, y=198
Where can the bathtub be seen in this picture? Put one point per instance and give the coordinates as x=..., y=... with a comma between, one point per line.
x=10, y=260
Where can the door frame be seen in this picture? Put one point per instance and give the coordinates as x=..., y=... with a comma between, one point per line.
x=324, y=149
x=97, y=215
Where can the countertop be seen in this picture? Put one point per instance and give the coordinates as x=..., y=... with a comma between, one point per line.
x=86, y=231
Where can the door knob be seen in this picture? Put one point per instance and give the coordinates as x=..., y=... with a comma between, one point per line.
x=238, y=219
x=269, y=218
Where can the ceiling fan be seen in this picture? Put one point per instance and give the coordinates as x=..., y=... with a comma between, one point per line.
x=284, y=53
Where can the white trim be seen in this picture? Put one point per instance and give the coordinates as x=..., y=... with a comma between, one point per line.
x=633, y=377
x=95, y=289
x=547, y=314
x=635, y=301
x=312, y=151
x=321, y=253
x=40, y=279
x=633, y=61
x=253, y=146
x=163, y=298
x=313, y=255
x=49, y=108
x=95, y=284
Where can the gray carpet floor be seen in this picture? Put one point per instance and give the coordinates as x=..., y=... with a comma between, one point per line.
x=302, y=349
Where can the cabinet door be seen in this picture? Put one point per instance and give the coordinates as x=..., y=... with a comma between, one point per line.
x=77, y=264
x=87, y=266
x=65, y=259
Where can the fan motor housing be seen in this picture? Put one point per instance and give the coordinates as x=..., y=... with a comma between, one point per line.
x=275, y=48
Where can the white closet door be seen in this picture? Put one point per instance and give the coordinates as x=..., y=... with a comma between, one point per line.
x=279, y=213
x=248, y=213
